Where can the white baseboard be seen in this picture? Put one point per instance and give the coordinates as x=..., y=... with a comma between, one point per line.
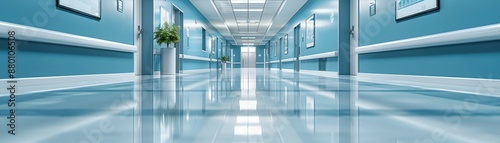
x=42, y=84
x=488, y=87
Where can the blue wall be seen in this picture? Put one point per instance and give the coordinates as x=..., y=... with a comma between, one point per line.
x=35, y=59
x=236, y=56
x=40, y=59
x=326, y=32
x=332, y=64
x=195, y=21
x=259, y=50
x=113, y=25
x=472, y=60
x=383, y=28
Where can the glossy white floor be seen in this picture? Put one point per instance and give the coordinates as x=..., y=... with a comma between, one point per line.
x=254, y=105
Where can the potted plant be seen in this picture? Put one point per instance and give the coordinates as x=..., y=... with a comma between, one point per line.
x=167, y=34
x=224, y=60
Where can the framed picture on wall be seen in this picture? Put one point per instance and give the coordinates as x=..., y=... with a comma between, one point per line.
x=164, y=16
x=203, y=40
x=286, y=44
x=311, y=31
x=275, y=49
x=213, y=45
x=90, y=8
x=409, y=8
x=187, y=36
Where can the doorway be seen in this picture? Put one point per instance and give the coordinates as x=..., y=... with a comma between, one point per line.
x=248, y=57
x=296, y=39
x=178, y=19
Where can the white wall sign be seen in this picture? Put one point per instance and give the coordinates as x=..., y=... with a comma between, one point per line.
x=409, y=8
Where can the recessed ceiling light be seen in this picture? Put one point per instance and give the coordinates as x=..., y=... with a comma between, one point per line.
x=248, y=37
x=248, y=1
x=249, y=44
x=250, y=32
x=248, y=21
x=237, y=10
x=247, y=40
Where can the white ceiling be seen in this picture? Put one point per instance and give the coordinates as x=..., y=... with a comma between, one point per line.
x=248, y=21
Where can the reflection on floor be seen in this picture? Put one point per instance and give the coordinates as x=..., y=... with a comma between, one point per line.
x=254, y=105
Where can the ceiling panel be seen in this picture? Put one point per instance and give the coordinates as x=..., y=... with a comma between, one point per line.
x=246, y=18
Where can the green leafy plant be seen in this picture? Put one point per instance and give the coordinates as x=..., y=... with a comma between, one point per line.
x=224, y=59
x=167, y=34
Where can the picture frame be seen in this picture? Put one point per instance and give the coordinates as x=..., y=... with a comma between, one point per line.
x=187, y=36
x=410, y=8
x=204, y=40
x=164, y=16
x=286, y=44
x=311, y=31
x=91, y=8
x=214, y=43
x=275, y=49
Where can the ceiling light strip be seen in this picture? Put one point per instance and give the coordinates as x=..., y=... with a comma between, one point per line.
x=220, y=16
x=247, y=10
x=274, y=18
x=250, y=1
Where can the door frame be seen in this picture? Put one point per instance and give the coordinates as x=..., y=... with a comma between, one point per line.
x=280, y=53
x=137, y=37
x=296, y=39
x=354, y=39
x=179, y=46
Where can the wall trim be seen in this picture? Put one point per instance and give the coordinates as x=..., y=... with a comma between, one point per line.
x=189, y=57
x=272, y=62
x=43, y=84
x=319, y=56
x=288, y=60
x=29, y=33
x=477, y=34
x=454, y=84
x=309, y=57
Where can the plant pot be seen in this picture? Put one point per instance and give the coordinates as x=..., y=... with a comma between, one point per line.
x=223, y=65
x=168, y=61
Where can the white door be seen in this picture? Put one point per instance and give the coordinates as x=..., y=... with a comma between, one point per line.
x=248, y=57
